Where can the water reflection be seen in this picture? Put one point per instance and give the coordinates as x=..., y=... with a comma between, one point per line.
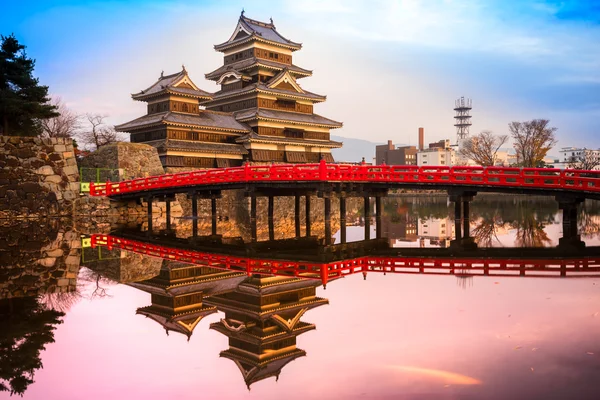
x=257, y=297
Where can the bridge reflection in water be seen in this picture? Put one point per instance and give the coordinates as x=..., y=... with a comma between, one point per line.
x=265, y=290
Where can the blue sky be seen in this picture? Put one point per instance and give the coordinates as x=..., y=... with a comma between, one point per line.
x=387, y=67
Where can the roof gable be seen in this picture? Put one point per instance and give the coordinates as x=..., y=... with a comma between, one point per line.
x=284, y=80
x=179, y=83
x=250, y=29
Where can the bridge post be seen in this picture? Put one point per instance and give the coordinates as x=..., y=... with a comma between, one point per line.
x=466, y=219
x=367, y=216
x=457, y=220
x=253, y=216
x=307, y=199
x=342, y=219
x=568, y=205
x=213, y=214
x=168, y=212
x=327, y=200
x=378, y=217
x=270, y=214
x=462, y=226
x=297, y=214
x=149, y=201
x=194, y=197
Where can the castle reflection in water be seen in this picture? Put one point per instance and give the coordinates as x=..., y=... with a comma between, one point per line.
x=263, y=290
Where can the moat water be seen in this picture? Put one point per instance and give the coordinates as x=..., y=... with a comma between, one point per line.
x=82, y=322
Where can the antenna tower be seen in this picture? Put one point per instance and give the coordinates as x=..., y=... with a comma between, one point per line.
x=462, y=107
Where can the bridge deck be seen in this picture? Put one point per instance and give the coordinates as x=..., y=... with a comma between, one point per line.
x=344, y=176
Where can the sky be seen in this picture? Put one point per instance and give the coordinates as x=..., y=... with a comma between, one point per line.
x=387, y=67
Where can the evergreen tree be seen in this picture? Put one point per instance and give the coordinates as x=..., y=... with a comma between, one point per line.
x=23, y=102
x=25, y=329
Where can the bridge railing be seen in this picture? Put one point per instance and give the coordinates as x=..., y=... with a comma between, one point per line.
x=457, y=175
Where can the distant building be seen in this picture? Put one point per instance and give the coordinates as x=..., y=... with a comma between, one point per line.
x=403, y=155
x=569, y=155
x=444, y=156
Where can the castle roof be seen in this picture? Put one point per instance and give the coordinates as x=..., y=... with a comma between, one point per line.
x=248, y=30
x=178, y=84
x=286, y=116
x=205, y=119
x=262, y=88
x=195, y=146
x=251, y=62
x=253, y=137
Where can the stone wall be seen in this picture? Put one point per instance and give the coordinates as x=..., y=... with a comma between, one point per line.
x=137, y=160
x=38, y=257
x=38, y=177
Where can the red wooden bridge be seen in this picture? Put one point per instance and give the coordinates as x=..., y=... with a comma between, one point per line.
x=582, y=266
x=519, y=180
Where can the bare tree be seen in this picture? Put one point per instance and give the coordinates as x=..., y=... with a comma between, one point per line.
x=65, y=125
x=483, y=148
x=532, y=140
x=98, y=133
x=587, y=160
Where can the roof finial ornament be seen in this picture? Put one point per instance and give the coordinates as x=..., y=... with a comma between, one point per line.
x=242, y=14
x=162, y=73
x=271, y=19
x=183, y=69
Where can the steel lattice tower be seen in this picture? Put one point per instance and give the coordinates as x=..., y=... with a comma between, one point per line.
x=462, y=107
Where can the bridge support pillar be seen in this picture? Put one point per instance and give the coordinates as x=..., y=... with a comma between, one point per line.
x=270, y=215
x=342, y=219
x=253, y=217
x=378, y=217
x=367, y=216
x=194, y=197
x=307, y=209
x=149, y=201
x=213, y=215
x=570, y=238
x=327, y=201
x=462, y=225
x=168, y=212
x=297, y=215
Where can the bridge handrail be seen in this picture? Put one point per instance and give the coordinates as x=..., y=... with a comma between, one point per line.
x=456, y=175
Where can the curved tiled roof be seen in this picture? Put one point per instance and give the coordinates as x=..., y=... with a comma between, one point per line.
x=259, y=31
x=286, y=116
x=261, y=87
x=252, y=62
x=190, y=145
x=165, y=84
x=206, y=119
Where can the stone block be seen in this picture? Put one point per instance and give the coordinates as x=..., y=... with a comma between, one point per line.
x=72, y=260
x=60, y=148
x=68, y=154
x=45, y=170
x=62, y=282
x=69, y=195
x=70, y=170
x=47, y=262
x=71, y=162
x=53, y=179
x=74, y=186
x=54, y=253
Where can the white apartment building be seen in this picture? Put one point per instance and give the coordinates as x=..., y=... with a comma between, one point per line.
x=568, y=155
x=436, y=157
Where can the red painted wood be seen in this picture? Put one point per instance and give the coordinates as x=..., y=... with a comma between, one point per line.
x=540, y=178
x=579, y=267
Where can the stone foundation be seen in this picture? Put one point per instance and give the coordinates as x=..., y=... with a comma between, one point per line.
x=38, y=257
x=38, y=177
